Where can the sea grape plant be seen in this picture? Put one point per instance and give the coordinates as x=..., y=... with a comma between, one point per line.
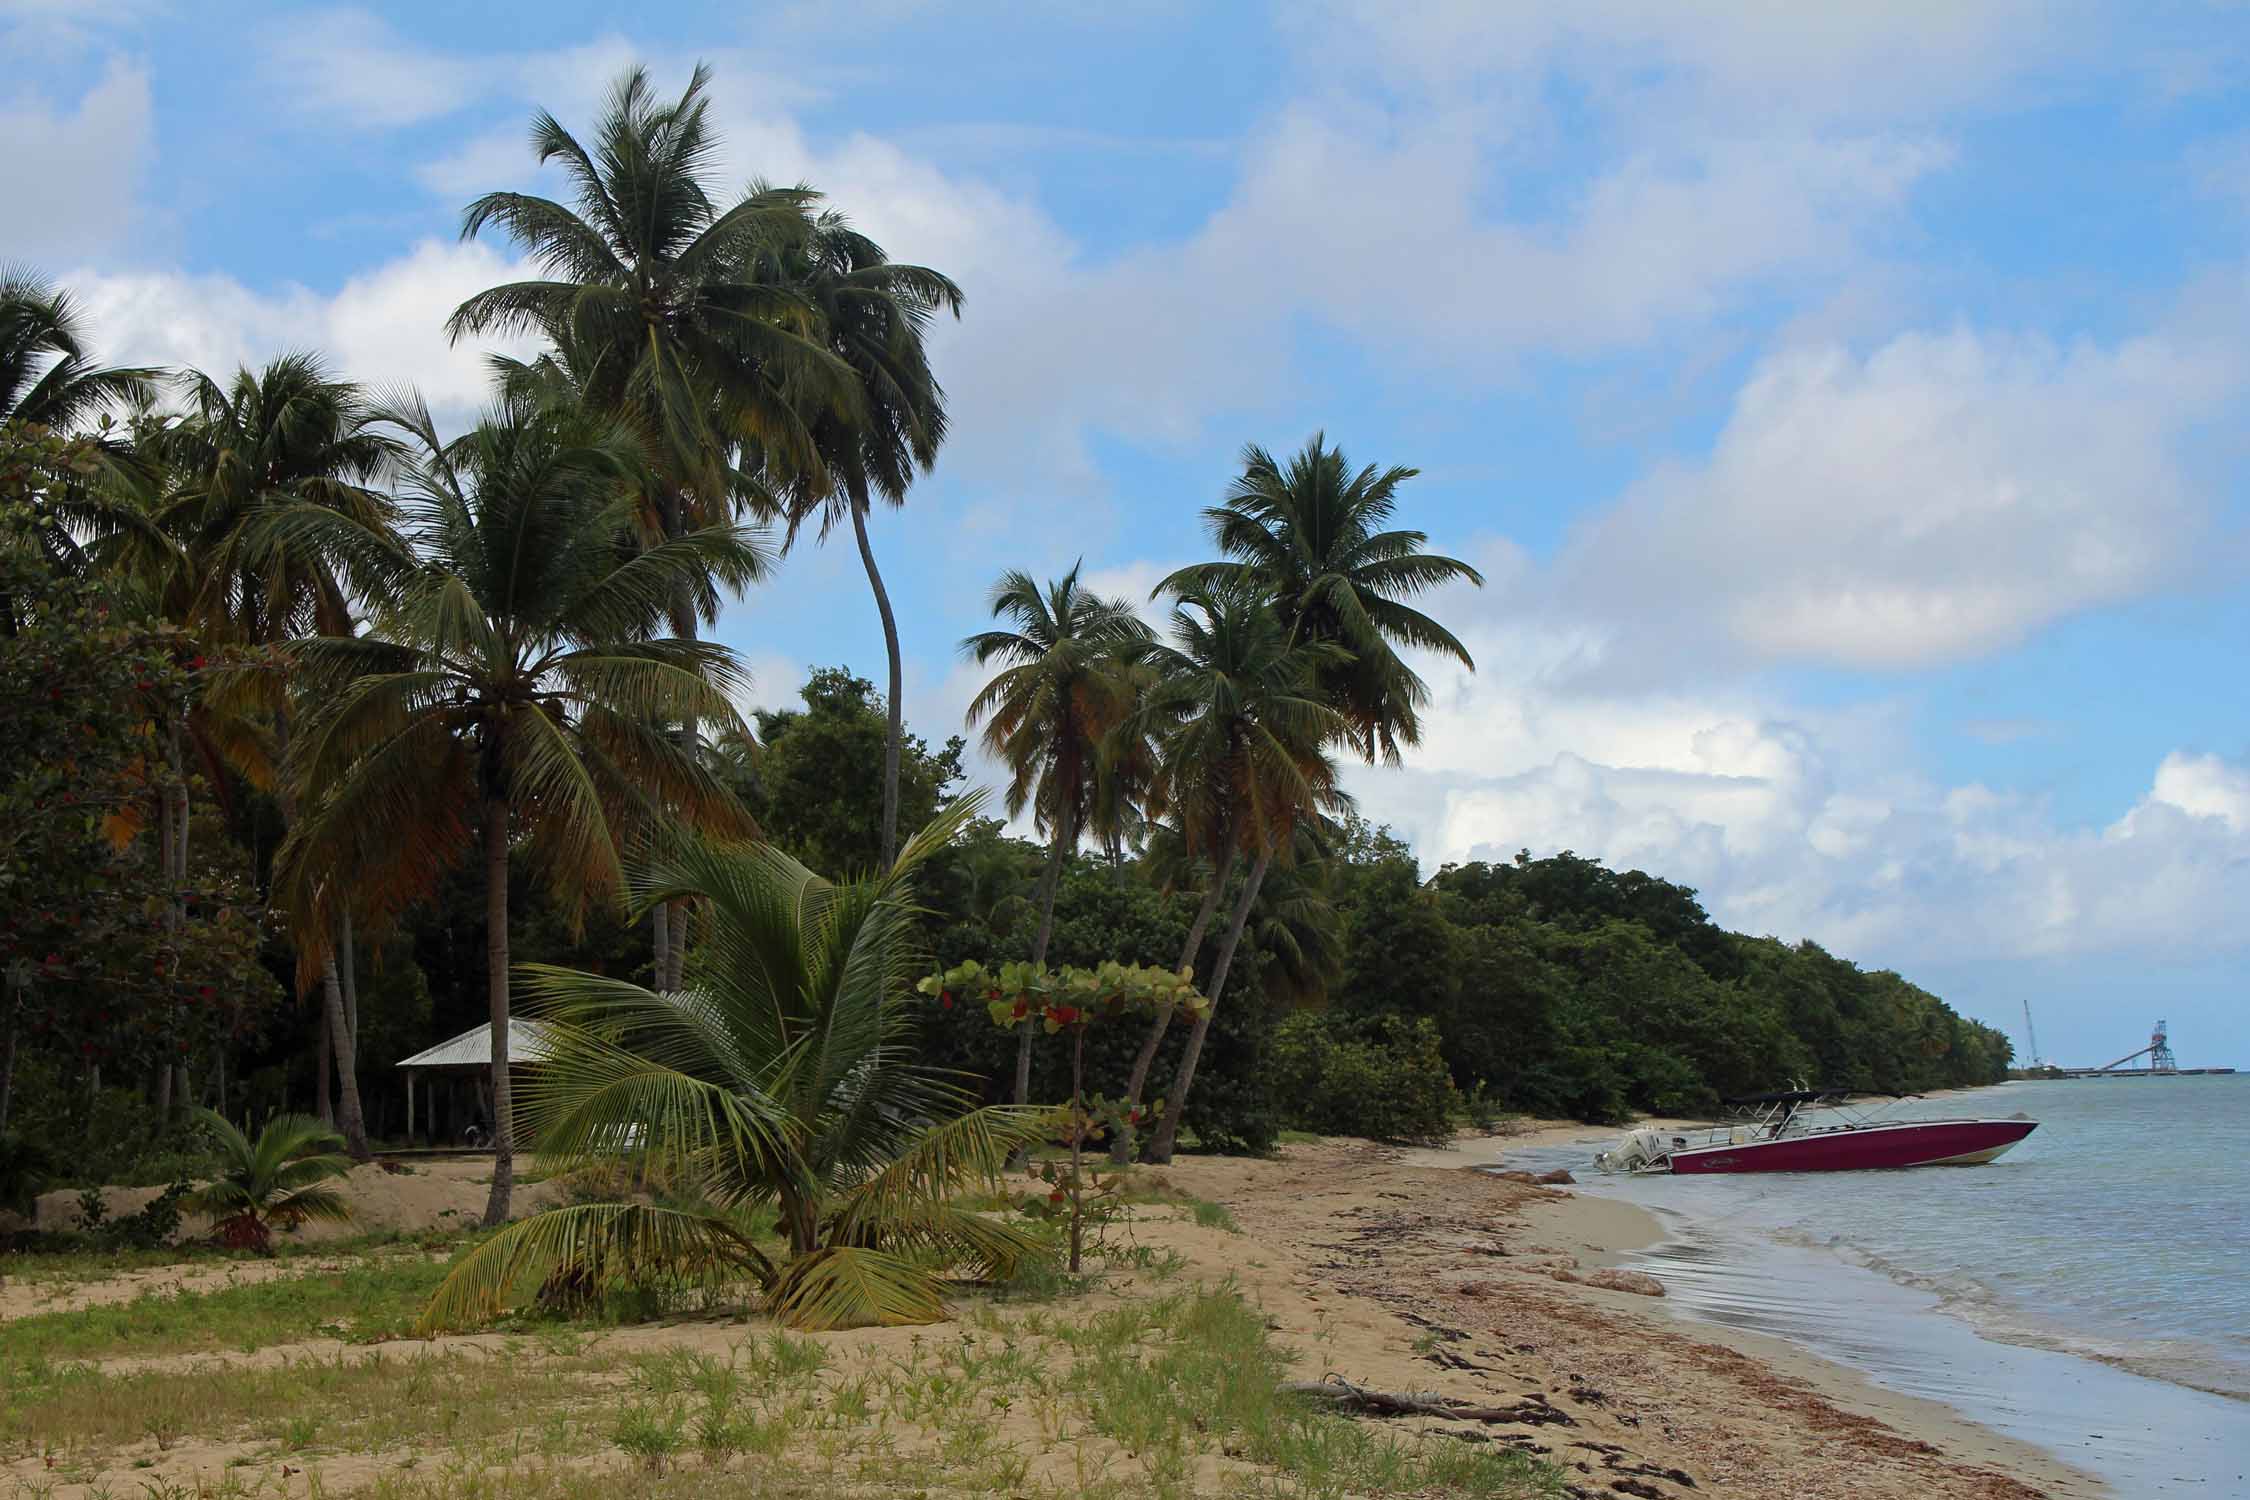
x=1071, y=1000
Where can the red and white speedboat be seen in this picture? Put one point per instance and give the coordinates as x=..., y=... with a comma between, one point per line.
x=1812, y=1130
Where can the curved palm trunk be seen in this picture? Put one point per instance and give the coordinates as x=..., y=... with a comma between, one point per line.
x=496, y=979
x=890, y=644
x=1160, y=1148
x=1121, y=1149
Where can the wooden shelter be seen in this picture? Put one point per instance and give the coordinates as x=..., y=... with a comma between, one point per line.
x=455, y=1079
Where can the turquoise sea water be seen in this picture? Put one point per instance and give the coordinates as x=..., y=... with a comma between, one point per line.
x=2089, y=1292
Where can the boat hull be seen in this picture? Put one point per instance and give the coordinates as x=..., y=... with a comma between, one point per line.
x=1932, y=1143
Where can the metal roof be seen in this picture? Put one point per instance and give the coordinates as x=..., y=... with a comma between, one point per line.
x=527, y=1043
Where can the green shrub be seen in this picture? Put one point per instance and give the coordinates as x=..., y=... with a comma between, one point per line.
x=1382, y=1077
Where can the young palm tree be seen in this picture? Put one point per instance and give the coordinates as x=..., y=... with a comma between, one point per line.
x=275, y=1182
x=1312, y=535
x=875, y=314
x=271, y=479
x=510, y=686
x=1240, y=747
x=1062, y=688
x=781, y=1077
x=48, y=373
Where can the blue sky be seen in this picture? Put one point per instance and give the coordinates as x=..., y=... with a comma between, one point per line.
x=1844, y=402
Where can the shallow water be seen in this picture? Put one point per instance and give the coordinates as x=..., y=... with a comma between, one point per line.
x=2089, y=1292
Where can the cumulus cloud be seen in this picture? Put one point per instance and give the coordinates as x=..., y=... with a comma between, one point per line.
x=1802, y=826
x=71, y=174
x=1939, y=497
x=383, y=327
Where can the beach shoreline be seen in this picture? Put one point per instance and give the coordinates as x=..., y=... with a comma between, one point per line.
x=1498, y=1273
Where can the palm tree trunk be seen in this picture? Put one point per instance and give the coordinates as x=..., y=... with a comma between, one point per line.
x=347, y=970
x=668, y=923
x=324, y=1106
x=171, y=813
x=1048, y=881
x=890, y=644
x=350, y=1119
x=1121, y=1149
x=1160, y=1148
x=496, y=979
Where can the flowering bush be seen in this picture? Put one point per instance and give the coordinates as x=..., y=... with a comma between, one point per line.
x=1072, y=999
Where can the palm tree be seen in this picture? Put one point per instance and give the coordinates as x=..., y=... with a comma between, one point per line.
x=1060, y=692
x=875, y=314
x=276, y=1181
x=1312, y=536
x=1243, y=723
x=510, y=684
x=49, y=377
x=663, y=314
x=271, y=480
x=48, y=374
x=782, y=1077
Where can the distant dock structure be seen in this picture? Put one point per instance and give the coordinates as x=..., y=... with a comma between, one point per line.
x=2153, y=1061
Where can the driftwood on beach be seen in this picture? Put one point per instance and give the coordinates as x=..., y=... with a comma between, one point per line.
x=1534, y=1410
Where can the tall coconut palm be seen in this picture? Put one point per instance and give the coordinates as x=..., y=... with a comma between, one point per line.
x=1314, y=535
x=875, y=314
x=1062, y=688
x=781, y=1077
x=511, y=686
x=1244, y=725
x=272, y=476
x=662, y=311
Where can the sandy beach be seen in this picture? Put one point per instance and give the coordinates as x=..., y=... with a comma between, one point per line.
x=1420, y=1245
x=1398, y=1270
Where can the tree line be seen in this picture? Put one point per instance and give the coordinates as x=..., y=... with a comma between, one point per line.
x=364, y=711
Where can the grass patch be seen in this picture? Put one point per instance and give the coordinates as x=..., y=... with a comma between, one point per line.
x=369, y=1301
x=368, y=1403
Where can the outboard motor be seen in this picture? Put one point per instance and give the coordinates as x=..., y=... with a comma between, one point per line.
x=1640, y=1151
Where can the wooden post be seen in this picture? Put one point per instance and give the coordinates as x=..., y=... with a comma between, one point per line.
x=409, y=1107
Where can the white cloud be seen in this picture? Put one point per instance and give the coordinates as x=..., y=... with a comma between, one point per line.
x=1805, y=826
x=350, y=66
x=71, y=174
x=383, y=327
x=2204, y=786
x=1940, y=497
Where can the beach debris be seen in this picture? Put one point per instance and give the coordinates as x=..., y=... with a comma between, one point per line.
x=1555, y=1178
x=1611, y=1278
x=1534, y=1410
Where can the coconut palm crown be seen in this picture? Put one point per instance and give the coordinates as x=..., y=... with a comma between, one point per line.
x=1315, y=535
x=48, y=373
